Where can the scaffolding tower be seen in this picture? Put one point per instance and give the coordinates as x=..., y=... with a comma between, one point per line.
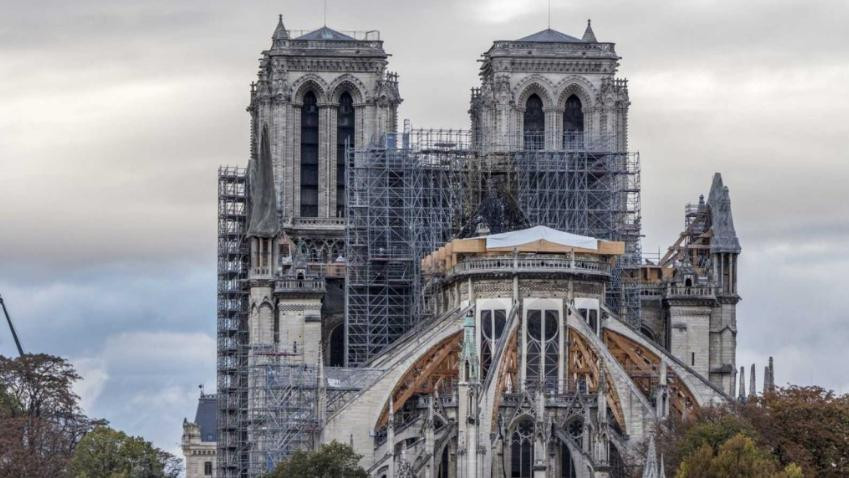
x=232, y=309
x=403, y=201
x=283, y=394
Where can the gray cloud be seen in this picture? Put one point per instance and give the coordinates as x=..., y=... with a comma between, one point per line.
x=116, y=116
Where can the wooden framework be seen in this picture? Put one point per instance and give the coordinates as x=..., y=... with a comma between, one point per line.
x=584, y=363
x=428, y=372
x=643, y=366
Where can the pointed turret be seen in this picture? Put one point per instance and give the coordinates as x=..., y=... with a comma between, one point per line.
x=589, y=35
x=280, y=32
x=753, y=390
x=263, y=213
x=742, y=392
x=722, y=222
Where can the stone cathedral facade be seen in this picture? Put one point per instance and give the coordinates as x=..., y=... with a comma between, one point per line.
x=540, y=343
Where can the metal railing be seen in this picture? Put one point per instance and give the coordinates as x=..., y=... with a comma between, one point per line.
x=359, y=35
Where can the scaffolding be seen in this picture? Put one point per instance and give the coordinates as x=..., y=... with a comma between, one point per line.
x=403, y=201
x=283, y=397
x=414, y=191
x=232, y=318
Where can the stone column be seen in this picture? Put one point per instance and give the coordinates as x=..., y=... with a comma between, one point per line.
x=325, y=112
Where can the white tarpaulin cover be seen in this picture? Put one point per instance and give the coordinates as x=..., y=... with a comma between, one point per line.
x=537, y=233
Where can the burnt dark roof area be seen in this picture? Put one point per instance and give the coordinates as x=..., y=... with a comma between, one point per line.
x=206, y=417
x=497, y=213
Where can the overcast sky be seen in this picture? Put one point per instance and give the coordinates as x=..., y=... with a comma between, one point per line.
x=114, y=117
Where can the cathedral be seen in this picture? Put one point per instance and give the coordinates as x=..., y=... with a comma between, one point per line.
x=458, y=304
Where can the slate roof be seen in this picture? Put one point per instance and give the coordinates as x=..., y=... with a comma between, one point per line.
x=722, y=222
x=325, y=33
x=206, y=418
x=550, y=36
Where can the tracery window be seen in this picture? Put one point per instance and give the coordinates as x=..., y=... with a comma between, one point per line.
x=573, y=123
x=534, y=123
x=522, y=450
x=344, y=135
x=492, y=327
x=309, y=156
x=542, y=349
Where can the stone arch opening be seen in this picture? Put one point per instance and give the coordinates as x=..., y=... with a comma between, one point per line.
x=345, y=121
x=309, y=155
x=336, y=347
x=534, y=123
x=573, y=123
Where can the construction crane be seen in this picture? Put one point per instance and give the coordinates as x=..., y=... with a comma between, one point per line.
x=11, y=327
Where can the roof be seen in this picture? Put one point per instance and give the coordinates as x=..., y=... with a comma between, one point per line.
x=206, y=418
x=325, y=33
x=722, y=222
x=538, y=234
x=551, y=36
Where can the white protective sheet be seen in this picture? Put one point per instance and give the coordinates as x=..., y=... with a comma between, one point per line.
x=533, y=234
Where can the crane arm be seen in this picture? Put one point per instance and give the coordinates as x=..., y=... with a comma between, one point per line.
x=11, y=327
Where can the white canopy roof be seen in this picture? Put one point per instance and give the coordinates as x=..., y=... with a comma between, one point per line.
x=538, y=233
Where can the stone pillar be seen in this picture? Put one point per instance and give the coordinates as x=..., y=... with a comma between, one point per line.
x=324, y=152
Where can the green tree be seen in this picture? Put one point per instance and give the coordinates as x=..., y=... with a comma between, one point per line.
x=332, y=460
x=678, y=439
x=808, y=426
x=108, y=453
x=738, y=457
x=40, y=419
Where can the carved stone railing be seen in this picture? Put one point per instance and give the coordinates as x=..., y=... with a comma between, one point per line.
x=509, y=264
x=310, y=284
x=696, y=291
x=318, y=221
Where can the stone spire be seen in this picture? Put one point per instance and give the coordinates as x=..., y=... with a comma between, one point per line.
x=651, y=468
x=262, y=221
x=752, y=387
x=589, y=35
x=741, y=394
x=769, y=377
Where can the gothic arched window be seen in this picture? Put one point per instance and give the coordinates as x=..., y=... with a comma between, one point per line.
x=344, y=134
x=522, y=450
x=567, y=464
x=309, y=156
x=542, y=349
x=534, y=123
x=573, y=123
x=337, y=347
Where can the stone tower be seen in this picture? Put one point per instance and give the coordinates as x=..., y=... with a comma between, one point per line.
x=550, y=90
x=317, y=95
